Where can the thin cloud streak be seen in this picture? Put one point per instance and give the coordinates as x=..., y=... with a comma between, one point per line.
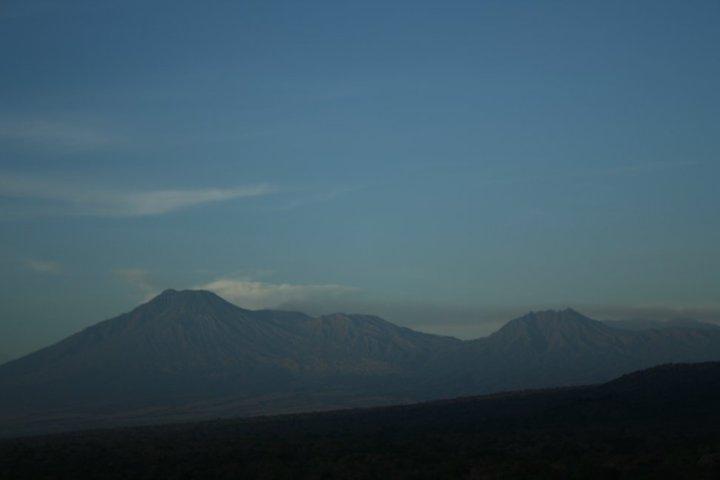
x=314, y=197
x=65, y=135
x=43, y=266
x=68, y=199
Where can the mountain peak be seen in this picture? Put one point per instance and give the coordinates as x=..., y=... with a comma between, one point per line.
x=187, y=302
x=549, y=315
x=567, y=323
x=548, y=319
x=171, y=293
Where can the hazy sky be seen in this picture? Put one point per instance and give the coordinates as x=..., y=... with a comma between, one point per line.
x=445, y=164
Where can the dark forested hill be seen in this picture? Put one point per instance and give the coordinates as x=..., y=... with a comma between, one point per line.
x=653, y=424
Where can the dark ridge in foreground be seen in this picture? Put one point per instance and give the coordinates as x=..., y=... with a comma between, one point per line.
x=656, y=423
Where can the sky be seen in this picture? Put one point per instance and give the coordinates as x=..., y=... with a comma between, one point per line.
x=448, y=165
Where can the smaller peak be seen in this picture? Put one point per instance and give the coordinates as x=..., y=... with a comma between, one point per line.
x=168, y=292
x=544, y=318
x=552, y=314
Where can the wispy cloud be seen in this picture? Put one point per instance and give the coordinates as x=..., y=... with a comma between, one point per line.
x=56, y=134
x=306, y=197
x=43, y=266
x=256, y=295
x=66, y=198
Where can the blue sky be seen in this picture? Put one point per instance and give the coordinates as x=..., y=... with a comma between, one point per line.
x=444, y=164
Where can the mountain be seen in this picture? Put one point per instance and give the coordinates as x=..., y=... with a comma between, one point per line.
x=556, y=348
x=193, y=344
x=191, y=354
x=543, y=349
x=656, y=423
